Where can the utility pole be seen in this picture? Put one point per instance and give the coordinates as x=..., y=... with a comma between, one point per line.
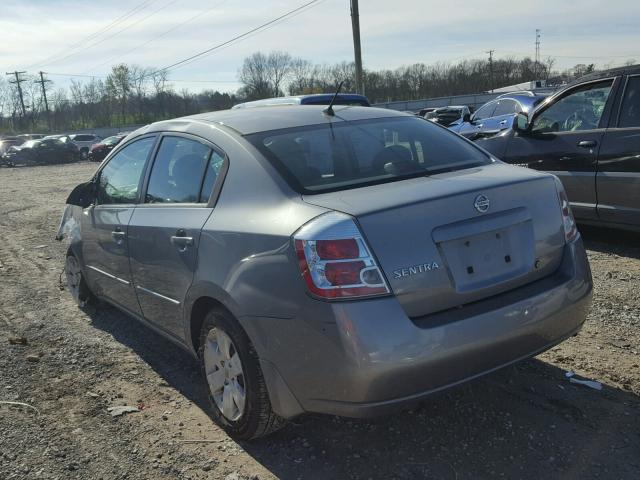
x=42, y=82
x=490, y=52
x=355, y=25
x=18, y=81
x=536, y=67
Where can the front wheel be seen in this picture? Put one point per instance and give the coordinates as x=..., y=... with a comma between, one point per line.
x=233, y=379
x=76, y=283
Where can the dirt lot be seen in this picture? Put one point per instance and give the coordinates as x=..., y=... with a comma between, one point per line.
x=527, y=421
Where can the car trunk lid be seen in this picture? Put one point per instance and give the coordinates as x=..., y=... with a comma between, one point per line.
x=451, y=239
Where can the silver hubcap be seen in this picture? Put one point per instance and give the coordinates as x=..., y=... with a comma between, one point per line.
x=74, y=276
x=224, y=373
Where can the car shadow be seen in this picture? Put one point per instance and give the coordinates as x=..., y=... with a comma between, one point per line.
x=613, y=241
x=525, y=421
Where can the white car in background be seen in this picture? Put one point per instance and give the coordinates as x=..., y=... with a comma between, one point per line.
x=84, y=141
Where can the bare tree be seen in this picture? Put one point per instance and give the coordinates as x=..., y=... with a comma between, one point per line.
x=140, y=79
x=254, y=75
x=278, y=69
x=119, y=86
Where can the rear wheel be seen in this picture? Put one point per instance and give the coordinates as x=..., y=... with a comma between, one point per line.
x=233, y=379
x=76, y=283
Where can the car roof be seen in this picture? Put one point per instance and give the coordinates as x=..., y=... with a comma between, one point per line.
x=301, y=99
x=247, y=121
x=612, y=72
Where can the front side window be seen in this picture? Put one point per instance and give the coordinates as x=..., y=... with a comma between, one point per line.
x=630, y=111
x=350, y=154
x=178, y=171
x=581, y=109
x=119, y=180
x=486, y=111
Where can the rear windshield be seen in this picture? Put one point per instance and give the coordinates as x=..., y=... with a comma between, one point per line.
x=83, y=138
x=322, y=158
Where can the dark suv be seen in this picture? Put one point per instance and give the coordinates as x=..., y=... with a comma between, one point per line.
x=588, y=134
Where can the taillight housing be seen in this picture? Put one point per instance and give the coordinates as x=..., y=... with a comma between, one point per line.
x=335, y=260
x=568, y=221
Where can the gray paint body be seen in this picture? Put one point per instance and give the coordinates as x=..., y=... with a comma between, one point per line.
x=357, y=357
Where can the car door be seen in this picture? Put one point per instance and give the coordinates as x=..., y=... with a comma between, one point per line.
x=474, y=126
x=104, y=226
x=618, y=176
x=502, y=117
x=564, y=138
x=164, y=232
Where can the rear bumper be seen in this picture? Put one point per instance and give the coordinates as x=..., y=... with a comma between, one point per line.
x=367, y=358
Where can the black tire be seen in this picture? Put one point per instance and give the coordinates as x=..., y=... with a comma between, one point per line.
x=77, y=286
x=258, y=418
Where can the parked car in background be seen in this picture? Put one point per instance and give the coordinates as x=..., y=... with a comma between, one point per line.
x=588, y=134
x=84, y=141
x=42, y=152
x=29, y=136
x=99, y=150
x=7, y=142
x=347, y=264
x=447, y=115
x=497, y=114
x=314, y=99
x=62, y=137
x=423, y=112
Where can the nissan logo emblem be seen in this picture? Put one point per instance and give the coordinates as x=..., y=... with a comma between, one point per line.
x=481, y=203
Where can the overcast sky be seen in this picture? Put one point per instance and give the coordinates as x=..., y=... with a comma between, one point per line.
x=69, y=36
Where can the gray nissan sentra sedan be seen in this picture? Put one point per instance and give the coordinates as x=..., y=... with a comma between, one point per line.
x=348, y=262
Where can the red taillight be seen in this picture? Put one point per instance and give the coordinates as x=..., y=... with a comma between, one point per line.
x=335, y=261
x=568, y=221
x=337, y=249
x=343, y=273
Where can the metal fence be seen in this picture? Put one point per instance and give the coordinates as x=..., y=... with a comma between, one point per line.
x=474, y=100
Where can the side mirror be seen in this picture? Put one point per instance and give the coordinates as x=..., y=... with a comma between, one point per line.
x=466, y=117
x=83, y=195
x=521, y=123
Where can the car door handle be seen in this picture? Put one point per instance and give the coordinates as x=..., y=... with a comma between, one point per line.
x=587, y=143
x=181, y=240
x=118, y=235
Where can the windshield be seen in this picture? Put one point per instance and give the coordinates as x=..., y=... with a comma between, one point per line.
x=321, y=158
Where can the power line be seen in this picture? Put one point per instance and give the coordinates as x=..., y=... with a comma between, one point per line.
x=166, y=32
x=104, y=75
x=104, y=39
x=236, y=38
x=95, y=34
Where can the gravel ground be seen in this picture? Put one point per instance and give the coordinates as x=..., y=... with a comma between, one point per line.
x=526, y=421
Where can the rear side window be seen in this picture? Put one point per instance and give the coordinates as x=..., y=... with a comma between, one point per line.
x=630, y=111
x=213, y=172
x=178, y=171
x=350, y=154
x=83, y=138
